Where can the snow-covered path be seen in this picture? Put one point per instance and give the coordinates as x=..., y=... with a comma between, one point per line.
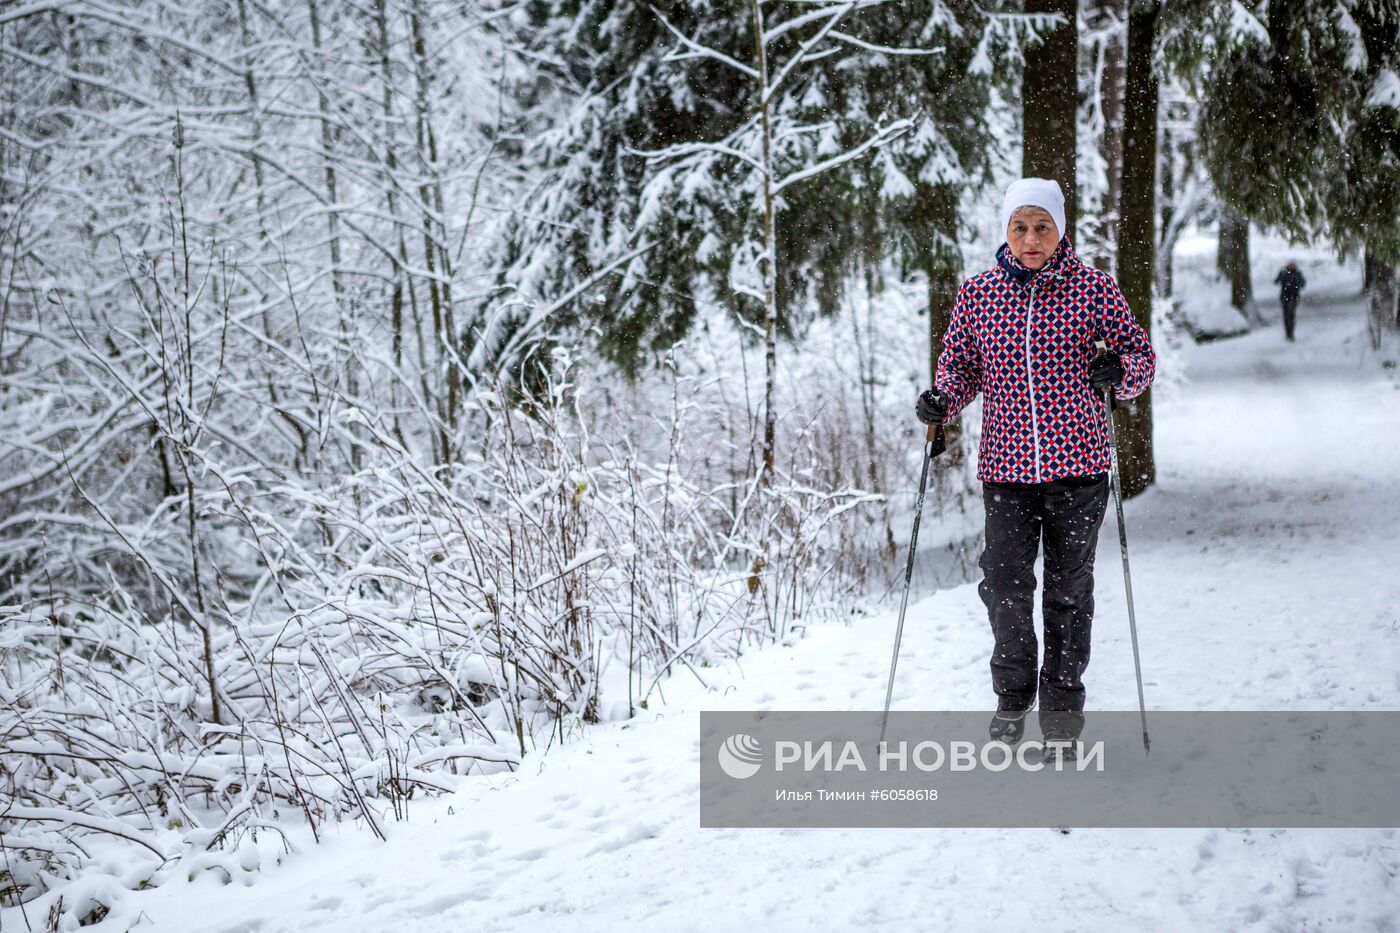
x=1265, y=572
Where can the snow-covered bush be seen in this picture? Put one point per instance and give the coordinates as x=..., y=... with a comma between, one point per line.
x=263, y=647
x=275, y=547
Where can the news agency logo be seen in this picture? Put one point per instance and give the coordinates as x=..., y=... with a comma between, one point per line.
x=740, y=756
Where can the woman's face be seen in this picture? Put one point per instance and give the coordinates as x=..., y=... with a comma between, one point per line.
x=1032, y=236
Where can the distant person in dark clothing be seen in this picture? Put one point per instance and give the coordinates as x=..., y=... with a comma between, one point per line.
x=1290, y=282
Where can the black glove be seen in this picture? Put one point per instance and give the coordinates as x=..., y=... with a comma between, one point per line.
x=1106, y=371
x=931, y=407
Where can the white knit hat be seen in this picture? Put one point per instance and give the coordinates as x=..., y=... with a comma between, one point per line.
x=1034, y=192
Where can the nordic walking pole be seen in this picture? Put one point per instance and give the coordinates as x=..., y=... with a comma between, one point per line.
x=1123, y=546
x=933, y=446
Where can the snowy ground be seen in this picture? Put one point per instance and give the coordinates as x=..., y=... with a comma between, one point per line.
x=1265, y=572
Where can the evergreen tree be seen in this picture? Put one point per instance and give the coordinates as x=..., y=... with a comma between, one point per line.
x=1364, y=200
x=651, y=85
x=1300, y=127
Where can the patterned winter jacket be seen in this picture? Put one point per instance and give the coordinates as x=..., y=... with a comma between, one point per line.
x=1024, y=340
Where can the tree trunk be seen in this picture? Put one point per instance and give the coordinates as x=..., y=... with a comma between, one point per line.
x=1137, y=244
x=1168, y=173
x=944, y=269
x=250, y=86
x=327, y=154
x=379, y=43
x=329, y=135
x=770, y=295
x=1050, y=104
x=1382, y=312
x=1232, y=259
x=869, y=363
x=770, y=272
x=1187, y=204
x=248, y=48
x=435, y=255
x=1111, y=105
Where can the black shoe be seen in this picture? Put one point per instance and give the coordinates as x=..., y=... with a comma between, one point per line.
x=1059, y=746
x=1008, y=725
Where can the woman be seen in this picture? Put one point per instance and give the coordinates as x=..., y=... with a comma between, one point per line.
x=1022, y=333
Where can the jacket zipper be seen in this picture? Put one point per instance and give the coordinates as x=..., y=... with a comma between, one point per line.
x=1030, y=384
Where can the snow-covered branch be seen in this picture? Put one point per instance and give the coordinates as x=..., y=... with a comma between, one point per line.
x=883, y=135
x=801, y=55
x=696, y=50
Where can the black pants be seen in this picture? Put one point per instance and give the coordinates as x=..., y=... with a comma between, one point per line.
x=1066, y=514
x=1290, y=315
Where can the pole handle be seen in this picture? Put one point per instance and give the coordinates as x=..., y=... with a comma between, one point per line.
x=1112, y=396
x=936, y=438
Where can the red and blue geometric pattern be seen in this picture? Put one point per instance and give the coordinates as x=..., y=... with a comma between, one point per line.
x=1027, y=348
